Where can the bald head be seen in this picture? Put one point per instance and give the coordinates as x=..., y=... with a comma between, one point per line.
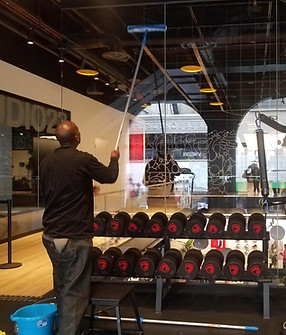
x=68, y=134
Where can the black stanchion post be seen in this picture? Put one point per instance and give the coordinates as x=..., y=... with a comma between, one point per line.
x=10, y=264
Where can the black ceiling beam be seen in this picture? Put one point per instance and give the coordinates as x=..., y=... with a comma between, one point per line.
x=87, y=4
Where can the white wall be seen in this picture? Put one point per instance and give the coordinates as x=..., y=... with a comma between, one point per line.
x=97, y=122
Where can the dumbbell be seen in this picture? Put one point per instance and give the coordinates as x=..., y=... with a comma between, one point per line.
x=99, y=223
x=103, y=264
x=190, y=266
x=256, y=226
x=176, y=225
x=196, y=225
x=256, y=265
x=212, y=265
x=96, y=252
x=169, y=264
x=115, y=226
x=234, y=265
x=155, y=227
x=236, y=225
x=125, y=265
x=137, y=224
x=216, y=224
x=147, y=263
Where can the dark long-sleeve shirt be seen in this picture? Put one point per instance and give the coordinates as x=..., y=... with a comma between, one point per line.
x=66, y=177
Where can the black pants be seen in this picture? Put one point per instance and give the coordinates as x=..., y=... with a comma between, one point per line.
x=256, y=185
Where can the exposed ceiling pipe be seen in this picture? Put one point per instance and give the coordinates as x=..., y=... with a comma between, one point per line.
x=210, y=58
x=98, y=30
x=102, y=40
x=90, y=59
x=200, y=61
x=79, y=4
x=31, y=19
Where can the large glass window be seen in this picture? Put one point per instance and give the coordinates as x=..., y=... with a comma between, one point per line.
x=189, y=141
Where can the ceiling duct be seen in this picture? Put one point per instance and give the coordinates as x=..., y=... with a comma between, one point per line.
x=105, y=40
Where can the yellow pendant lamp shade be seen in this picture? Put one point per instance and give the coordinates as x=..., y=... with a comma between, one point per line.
x=147, y=104
x=216, y=103
x=208, y=90
x=191, y=68
x=87, y=72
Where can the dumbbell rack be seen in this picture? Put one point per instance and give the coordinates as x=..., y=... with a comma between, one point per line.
x=163, y=285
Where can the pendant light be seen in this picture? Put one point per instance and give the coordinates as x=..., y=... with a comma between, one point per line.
x=217, y=103
x=208, y=90
x=145, y=105
x=191, y=68
x=85, y=71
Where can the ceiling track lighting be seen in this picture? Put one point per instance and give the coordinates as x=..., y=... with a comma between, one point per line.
x=86, y=72
x=191, y=68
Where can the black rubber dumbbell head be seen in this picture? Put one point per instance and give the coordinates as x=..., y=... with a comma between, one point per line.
x=125, y=265
x=256, y=226
x=99, y=223
x=212, y=265
x=190, y=266
x=169, y=264
x=96, y=252
x=236, y=225
x=156, y=225
x=137, y=224
x=176, y=225
x=216, y=224
x=256, y=265
x=147, y=264
x=115, y=226
x=234, y=265
x=196, y=225
x=103, y=265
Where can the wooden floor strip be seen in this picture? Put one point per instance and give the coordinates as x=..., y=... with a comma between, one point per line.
x=34, y=277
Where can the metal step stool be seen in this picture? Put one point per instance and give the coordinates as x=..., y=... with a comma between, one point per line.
x=111, y=295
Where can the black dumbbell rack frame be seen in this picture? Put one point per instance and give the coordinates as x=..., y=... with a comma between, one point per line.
x=163, y=285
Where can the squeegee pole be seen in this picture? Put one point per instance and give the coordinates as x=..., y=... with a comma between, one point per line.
x=181, y=323
x=131, y=89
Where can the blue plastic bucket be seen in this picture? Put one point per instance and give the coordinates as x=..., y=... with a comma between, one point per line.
x=35, y=319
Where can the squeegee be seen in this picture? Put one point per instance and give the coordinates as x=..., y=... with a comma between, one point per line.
x=137, y=29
